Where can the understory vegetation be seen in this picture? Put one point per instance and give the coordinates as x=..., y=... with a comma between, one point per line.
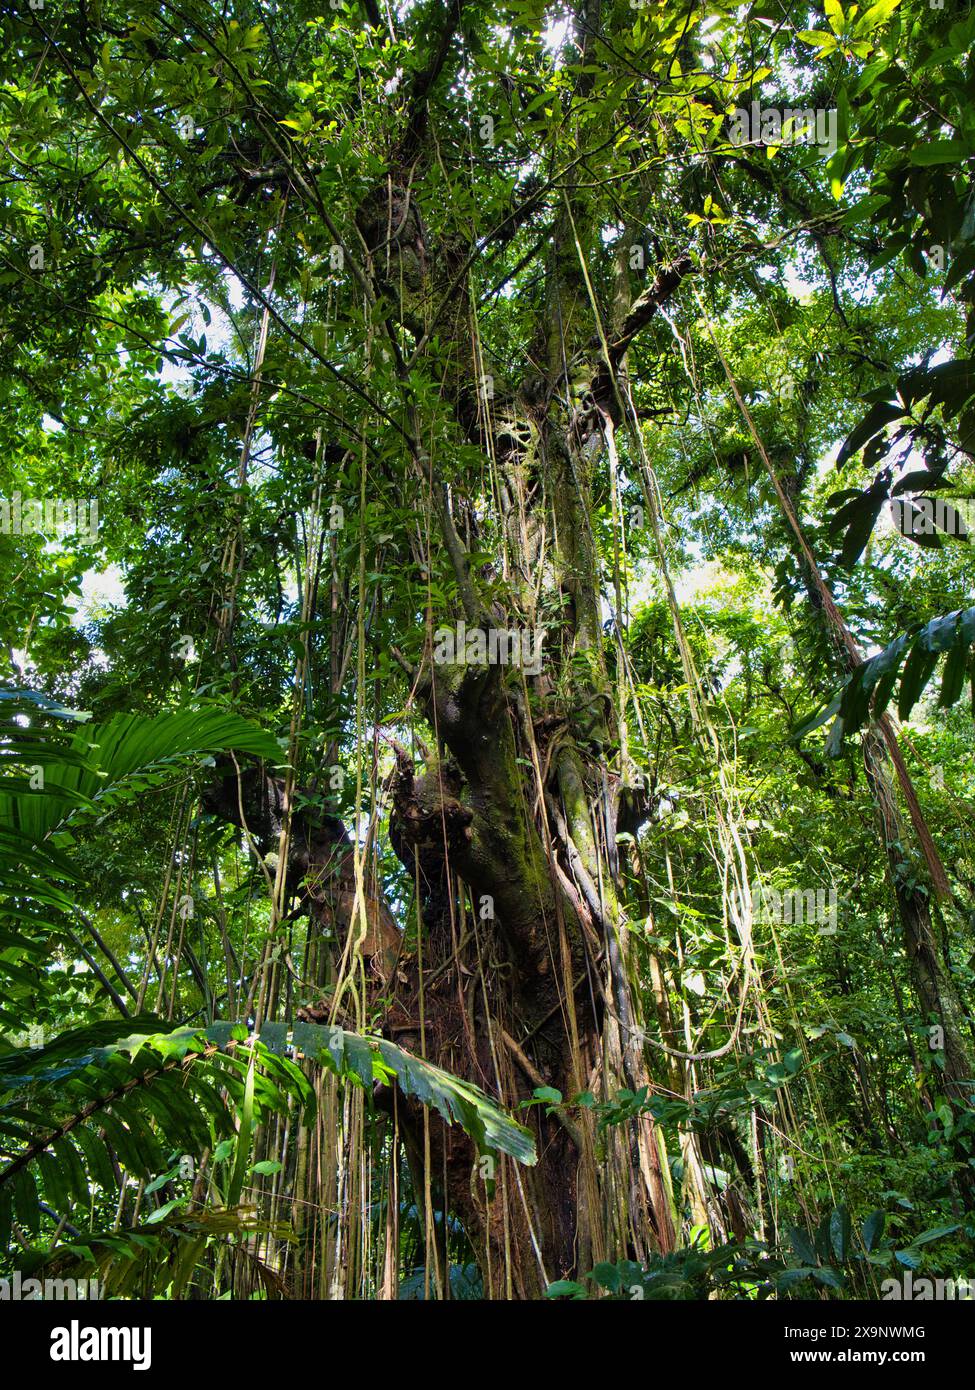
x=486, y=766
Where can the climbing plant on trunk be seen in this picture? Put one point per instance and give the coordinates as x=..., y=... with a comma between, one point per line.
x=374, y=330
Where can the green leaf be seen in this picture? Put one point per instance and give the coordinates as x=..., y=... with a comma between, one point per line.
x=607, y=1276
x=839, y=1230
x=565, y=1288
x=162, y=1212
x=834, y=14
x=876, y=677
x=802, y=1245
x=459, y=1102
x=936, y=1233
x=880, y=414
x=873, y=1228
x=876, y=15
x=939, y=152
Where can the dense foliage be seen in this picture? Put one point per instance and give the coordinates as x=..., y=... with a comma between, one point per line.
x=628, y=949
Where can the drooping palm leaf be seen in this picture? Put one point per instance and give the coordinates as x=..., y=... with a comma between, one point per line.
x=104, y=763
x=49, y=784
x=91, y=1093
x=911, y=658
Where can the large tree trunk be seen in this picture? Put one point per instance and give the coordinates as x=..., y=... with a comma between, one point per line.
x=510, y=830
x=521, y=982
